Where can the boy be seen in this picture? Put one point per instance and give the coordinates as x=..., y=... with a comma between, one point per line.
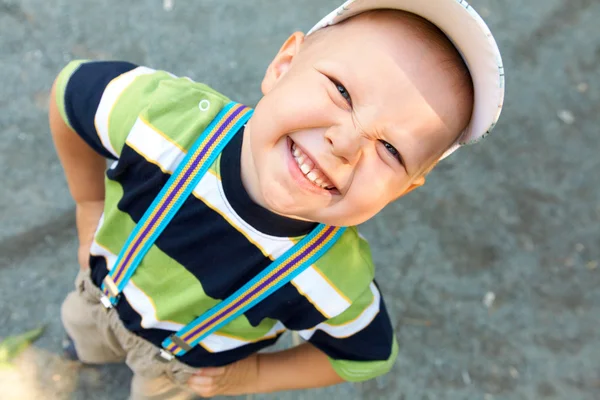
x=353, y=117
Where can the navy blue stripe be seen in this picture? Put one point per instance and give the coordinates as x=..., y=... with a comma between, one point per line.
x=373, y=343
x=82, y=97
x=198, y=356
x=98, y=269
x=288, y=306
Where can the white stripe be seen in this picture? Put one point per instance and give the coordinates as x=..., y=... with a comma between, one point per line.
x=100, y=223
x=142, y=304
x=154, y=147
x=98, y=250
x=216, y=343
x=110, y=96
x=352, y=327
x=320, y=292
x=210, y=189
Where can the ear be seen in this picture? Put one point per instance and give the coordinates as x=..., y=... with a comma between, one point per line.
x=282, y=61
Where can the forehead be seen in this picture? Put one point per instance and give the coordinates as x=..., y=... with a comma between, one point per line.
x=396, y=83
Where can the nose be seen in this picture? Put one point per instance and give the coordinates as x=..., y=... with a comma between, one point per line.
x=345, y=143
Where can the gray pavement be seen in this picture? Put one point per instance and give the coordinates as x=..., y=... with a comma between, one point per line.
x=517, y=216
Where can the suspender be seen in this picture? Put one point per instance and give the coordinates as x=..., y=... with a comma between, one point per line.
x=278, y=273
x=198, y=160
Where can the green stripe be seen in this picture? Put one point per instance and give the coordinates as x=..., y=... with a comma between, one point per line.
x=61, y=86
x=174, y=110
x=348, y=265
x=358, y=306
x=179, y=297
x=136, y=97
x=357, y=371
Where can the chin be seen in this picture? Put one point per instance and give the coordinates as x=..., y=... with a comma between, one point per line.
x=278, y=200
x=337, y=219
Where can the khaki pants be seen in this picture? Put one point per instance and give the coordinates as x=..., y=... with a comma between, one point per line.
x=100, y=337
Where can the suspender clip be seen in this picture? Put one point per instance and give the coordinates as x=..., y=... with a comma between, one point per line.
x=164, y=356
x=112, y=288
x=106, y=302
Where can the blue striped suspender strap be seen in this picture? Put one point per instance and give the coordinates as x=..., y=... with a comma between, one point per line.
x=198, y=160
x=277, y=274
x=172, y=196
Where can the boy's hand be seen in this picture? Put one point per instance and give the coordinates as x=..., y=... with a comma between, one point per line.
x=87, y=215
x=238, y=378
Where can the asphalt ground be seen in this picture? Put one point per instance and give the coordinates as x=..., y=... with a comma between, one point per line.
x=514, y=219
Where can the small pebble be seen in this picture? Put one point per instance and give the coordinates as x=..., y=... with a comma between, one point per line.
x=528, y=244
x=513, y=372
x=592, y=265
x=466, y=377
x=168, y=5
x=488, y=396
x=56, y=377
x=579, y=247
x=488, y=299
x=566, y=116
x=569, y=262
x=582, y=87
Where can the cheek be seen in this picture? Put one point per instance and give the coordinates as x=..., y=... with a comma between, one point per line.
x=300, y=102
x=373, y=187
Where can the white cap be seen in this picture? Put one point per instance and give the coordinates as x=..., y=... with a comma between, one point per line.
x=471, y=37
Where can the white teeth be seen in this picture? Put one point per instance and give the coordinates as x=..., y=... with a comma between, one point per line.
x=305, y=169
x=309, y=169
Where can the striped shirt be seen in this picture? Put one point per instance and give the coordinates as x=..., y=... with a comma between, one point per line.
x=146, y=120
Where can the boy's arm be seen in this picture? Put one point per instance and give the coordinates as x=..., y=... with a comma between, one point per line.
x=301, y=367
x=84, y=171
x=357, y=345
x=84, y=168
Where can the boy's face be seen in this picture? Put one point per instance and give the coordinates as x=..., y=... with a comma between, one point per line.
x=350, y=119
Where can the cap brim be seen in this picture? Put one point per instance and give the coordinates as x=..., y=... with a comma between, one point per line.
x=472, y=38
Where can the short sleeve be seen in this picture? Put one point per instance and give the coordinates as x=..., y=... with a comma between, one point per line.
x=360, y=342
x=100, y=100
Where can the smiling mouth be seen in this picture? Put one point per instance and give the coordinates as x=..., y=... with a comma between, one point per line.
x=310, y=170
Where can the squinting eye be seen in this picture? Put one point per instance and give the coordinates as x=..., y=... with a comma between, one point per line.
x=392, y=150
x=344, y=92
